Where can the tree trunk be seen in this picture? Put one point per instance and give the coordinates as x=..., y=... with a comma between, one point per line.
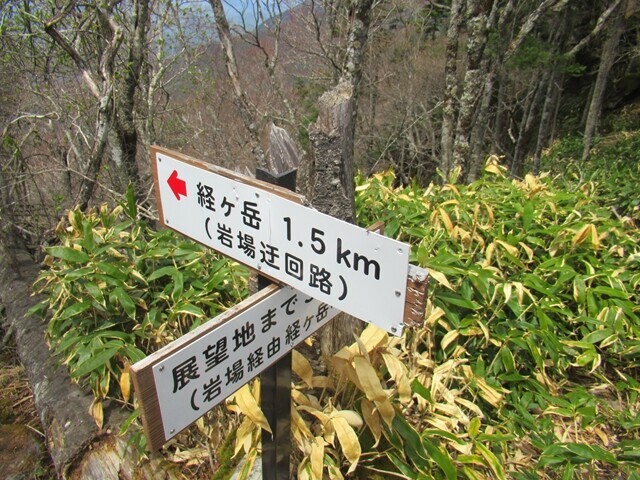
x=546, y=119
x=248, y=118
x=607, y=59
x=490, y=65
x=79, y=450
x=451, y=88
x=333, y=188
x=477, y=15
x=332, y=137
x=127, y=131
x=529, y=115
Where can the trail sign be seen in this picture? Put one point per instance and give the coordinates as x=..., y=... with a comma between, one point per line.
x=187, y=378
x=357, y=271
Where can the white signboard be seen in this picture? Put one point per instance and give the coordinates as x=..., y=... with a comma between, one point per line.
x=359, y=272
x=210, y=368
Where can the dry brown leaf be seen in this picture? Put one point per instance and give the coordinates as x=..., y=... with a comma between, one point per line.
x=125, y=383
x=316, y=458
x=249, y=406
x=372, y=419
x=301, y=366
x=386, y=411
x=96, y=412
x=353, y=418
x=369, y=379
x=244, y=436
x=399, y=374
x=348, y=441
x=440, y=278
x=373, y=337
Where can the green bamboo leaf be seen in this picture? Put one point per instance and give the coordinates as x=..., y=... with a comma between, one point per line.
x=492, y=460
x=178, y=284
x=598, y=335
x=421, y=390
x=161, y=272
x=74, y=273
x=125, y=301
x=527, y=215
x=69, y=254
x=112, y=270
x=95, y=292
x=189, y=309
x=95, y=361
x=74, y=309
x=404, y=468
x=442, y=459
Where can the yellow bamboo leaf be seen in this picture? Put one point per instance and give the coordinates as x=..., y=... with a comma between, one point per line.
x=488, y=254
x=509, y=248
x=507, y=288
x=321, y=381
x=451, y=186
x=493, y=168
x=372, y=419
x=448, y=338
x=595, y=239
x=323, y=417
x=489, y=210
x=581, y=235
x=362, y=350
x=470, y=406
x=96, y=412
x=301, y=366
x=125, y=383
x=434, y=316
x=304, y=469
x=448, y=224
x=386, y=410
x=348, y=441
x=520, y=289
x=487, y=392
x=353, y=418
x=399, y=374
x=527, y=249
x=345, y=367
x=373, y=337
x=244, y=436
x=300, y=428
x=316, y=457
x=249, y=406
x=333, y=470
x=440, y=278
x=492, y=460
x=300, y=398
x=369, y=380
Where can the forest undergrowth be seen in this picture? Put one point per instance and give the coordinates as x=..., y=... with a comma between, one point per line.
x=526, y=366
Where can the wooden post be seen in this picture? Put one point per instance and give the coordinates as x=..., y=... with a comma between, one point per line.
x=275, y=382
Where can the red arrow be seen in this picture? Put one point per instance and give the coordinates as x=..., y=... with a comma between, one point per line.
x=178, y=187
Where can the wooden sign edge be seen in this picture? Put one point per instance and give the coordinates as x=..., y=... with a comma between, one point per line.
x=415, y=305
x=223, y=172
x=142, y=371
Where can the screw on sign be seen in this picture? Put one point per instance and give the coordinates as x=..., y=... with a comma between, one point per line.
x=268, y=229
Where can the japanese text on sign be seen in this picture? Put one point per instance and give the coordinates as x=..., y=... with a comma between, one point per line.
x=196, y=378
x=359, y=272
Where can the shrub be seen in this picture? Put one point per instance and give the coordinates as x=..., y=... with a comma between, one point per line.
x=117, y=290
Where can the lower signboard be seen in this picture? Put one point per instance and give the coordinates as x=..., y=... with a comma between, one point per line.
x=187, y=378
